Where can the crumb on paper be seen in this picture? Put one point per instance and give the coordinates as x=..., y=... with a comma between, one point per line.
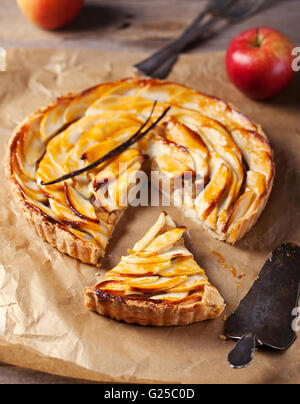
x=223, y=337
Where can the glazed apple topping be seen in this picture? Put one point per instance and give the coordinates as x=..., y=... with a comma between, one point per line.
x=97, y=133
x=161, y=269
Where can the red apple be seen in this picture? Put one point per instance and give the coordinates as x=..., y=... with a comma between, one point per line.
x=51, y=14
x=259, y=62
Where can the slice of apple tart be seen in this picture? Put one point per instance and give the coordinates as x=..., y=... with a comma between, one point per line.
x=158, y=284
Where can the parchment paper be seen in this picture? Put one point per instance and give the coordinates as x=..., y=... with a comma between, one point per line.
x=43, y=322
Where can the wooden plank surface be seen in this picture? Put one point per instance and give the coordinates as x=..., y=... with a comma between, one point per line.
x=14, y=375
x=132, y=25
x=136, y=25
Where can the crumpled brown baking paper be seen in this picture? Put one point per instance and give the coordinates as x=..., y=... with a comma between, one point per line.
x=43, y=322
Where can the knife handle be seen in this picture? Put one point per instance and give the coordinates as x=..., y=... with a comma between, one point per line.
x=243, y=352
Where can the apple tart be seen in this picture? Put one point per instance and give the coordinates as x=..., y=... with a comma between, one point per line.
x=222, y=149
x=159, y=283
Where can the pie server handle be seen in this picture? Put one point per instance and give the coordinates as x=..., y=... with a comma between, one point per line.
x=243, y=352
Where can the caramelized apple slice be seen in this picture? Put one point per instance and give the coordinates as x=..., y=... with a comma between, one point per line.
x=29, y=187
x=225, y=204
x=171, y=297
x=183, y=266
x=119, y=189
x=183, y=135
x=84, y=186
x=112, y=185
x=118, y=90
x=256, y=182
x=176, y=252
x=241, y=208
x=151, y=234
x=82, y=102
x=50, y=166
x=32, y=146
x=53, y=119
x=171, y=167
x=117, y=103
x=158, y=285
x=201, y=165
x=142, y=281
x=64, y=213
x=119, y=165
x=74, y=132
x=114, y=286
x=171, y=159
x=208, y=199
x=99, y=150
x=192, y=283
x=104, y=136
x=141, y=269
x=166, y=240
x=80, y=206
x=148, y=258
x=28, y=170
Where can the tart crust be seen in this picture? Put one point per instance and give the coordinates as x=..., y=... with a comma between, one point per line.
x=151, y=313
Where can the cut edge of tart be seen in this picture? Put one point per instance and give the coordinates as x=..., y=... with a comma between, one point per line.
x=201, y=134
x=158, y=284
x=46, y=226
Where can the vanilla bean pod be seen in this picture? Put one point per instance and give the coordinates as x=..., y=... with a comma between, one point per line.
x=135, y=138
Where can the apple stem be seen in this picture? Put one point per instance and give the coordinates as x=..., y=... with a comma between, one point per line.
x=257, y=39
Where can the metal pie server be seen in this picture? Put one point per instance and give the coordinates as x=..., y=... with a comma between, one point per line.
x=268, y=314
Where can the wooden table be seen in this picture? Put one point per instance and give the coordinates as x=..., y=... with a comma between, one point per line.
x=131, y=25
x=136, y=25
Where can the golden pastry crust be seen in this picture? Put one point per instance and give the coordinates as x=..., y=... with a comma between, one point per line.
x=159, y=314
x=215, y=142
